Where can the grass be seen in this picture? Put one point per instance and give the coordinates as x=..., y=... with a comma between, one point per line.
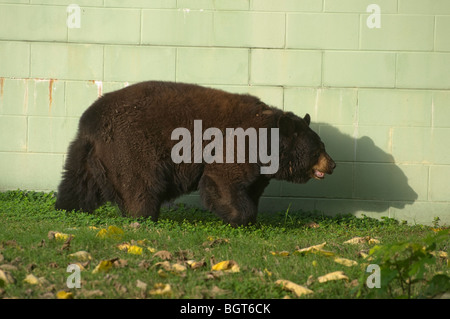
x=191, y=234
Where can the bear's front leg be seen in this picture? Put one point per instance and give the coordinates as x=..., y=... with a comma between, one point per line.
x=230, y=201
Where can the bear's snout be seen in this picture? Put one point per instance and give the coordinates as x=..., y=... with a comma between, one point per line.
x=325, y=165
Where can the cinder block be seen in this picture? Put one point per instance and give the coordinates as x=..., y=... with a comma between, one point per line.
x=274, y=189
x=66, y=61
x=249, y=29
x=440, y=138
x=14, y=59
x=232, y=4
x=442, y=31
x=46, y=97
x=32, y=97
x=374, y=144
x=212, y=65
x=196, y=4
x=422, y=212
x=390, y=182
x=15, y=1
x=438, y=7
x=386, y=6
x=395, y=107
x=285, y=67
x=441, y=109
x=133, y=63
x=359, y=69
x=41, y=172
x=14, y=96
x=322, y=31
x=301, y=101
x=270, y=95
x=439, y=177
x=422, y=145
x=412, y=144
x=286, y=5
x=33, y=23
x=423, y=70
x=13, y=133
x=339, y=141
x=107, y=25
x=51, y=134
x=370, y=208
x=80, y=95
x=84, y=3
x=181, y=27
x=399, y=32
x=156, y=4
x=335, y=106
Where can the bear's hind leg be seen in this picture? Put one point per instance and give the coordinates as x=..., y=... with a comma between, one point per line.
x=229, y=202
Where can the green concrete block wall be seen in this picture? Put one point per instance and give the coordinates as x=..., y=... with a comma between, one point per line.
x=378, y=97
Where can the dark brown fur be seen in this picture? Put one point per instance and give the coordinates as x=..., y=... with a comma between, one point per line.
x=122, y=152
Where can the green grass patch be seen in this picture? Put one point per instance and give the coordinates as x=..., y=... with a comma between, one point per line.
x=412, y=257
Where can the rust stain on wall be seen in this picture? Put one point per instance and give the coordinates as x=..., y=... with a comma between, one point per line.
x=50, y=95
x=2, y=83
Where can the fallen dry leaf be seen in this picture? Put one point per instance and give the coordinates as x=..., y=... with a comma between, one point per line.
x=81, y=255
x=440, y=254
x=176, y=269
x=311, y=248
x=6, y=277
x=82, y=266
x=161, y=289
x=163, y=254
x=312, y=225
x=295, y=288
x=104, y=266
x=337, y=275
x=66, y=244
x=135, y=225
x=141, y=285
x=92, y=293
x=58, y=235
x=112, y=232
x=64, y=295
x=120, y=263
x=131, y=249
x=196, y=264
x=362, y=240
x=280, y=253
x=227, y=266
x=31, y=279
x=8, y=267
x=345, y=261
x=316, y=249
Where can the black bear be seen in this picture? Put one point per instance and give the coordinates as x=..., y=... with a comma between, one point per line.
x=128, y=151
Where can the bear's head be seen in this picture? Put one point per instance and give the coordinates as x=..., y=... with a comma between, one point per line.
x=302, y=153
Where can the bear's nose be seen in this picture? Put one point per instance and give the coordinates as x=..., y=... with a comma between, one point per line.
x=333, y=164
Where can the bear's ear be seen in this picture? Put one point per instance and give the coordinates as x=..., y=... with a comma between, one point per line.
x=307, y=119
x=286, y=125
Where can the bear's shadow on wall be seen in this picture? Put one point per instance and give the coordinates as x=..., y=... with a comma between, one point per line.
x=366, y=179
